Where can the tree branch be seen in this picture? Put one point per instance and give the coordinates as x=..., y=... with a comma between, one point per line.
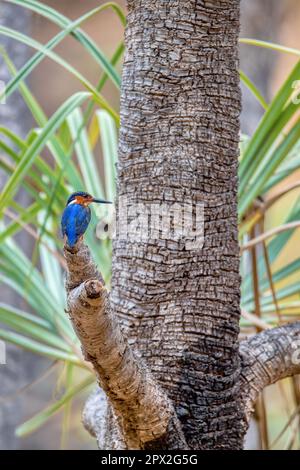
x=266, y=358
x=99, y=420
x=143, y=411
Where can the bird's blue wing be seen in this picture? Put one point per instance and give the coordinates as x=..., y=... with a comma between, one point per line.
x=74, y=222
x=82, y=221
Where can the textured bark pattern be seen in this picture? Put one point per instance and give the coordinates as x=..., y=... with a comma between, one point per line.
x=180, y=108
x=142, y=410
x=266, y=358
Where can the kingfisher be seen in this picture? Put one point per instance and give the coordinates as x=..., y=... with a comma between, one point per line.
x=77, y=215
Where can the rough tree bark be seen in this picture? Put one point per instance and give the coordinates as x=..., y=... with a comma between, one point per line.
x=166, y=338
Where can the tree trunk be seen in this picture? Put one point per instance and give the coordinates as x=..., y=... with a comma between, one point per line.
x=179, y=134
x=164, y=343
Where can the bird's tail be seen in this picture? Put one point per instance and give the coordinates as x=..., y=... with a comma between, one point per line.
x=72, y=239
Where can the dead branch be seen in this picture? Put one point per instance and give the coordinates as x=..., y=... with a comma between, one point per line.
x=143, y=411
x=266, y=358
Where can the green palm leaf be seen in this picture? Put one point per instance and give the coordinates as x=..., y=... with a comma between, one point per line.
x=37, y=145
x=63, y=22
x=8, y=32
x=39, y=56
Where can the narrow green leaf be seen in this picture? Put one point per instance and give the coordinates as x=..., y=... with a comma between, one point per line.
x=267, y=145
x=85, y=157
x=277, y=276
x=32, y=151
x=41, y=418
x=48, y=174
x=268, y=121
x=70, y=171
x=15, y=271
x=63, y=22
x=39, y=56
x=254, y=90
x=16, y=313
x=286, y=168
x=269, y=166
x=109, y=140
x=28, y=325
x=50, y=266
x=38, y=348
x=270, y=45
x=275, y=246
x=13, y=137
x=27, y=216
x=13, y=34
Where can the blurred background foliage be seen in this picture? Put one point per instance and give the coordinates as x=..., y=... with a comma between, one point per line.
x=70, y=85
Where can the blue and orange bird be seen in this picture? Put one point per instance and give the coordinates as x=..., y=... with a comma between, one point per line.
x=77, y=215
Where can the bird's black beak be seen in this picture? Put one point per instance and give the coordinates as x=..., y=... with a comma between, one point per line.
x=101, y=201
